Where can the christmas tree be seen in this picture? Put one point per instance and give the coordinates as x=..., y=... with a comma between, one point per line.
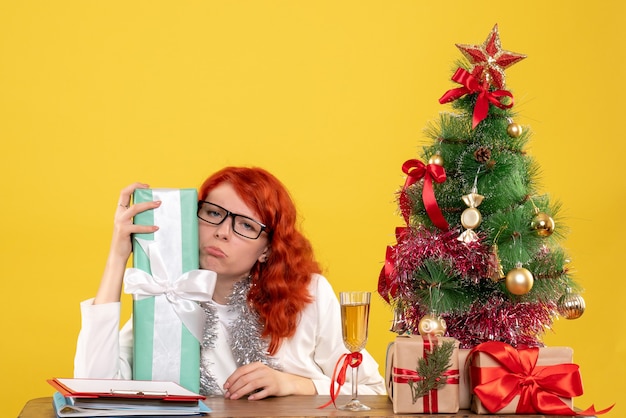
x=480, y=257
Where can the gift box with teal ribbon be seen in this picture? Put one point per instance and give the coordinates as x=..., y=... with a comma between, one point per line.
x=167, y=285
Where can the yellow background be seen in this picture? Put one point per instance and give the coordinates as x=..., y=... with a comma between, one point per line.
x=331, y=96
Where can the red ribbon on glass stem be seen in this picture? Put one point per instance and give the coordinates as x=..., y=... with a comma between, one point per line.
x=540, y=387
x=416, y=170
x=472, y=85
x=349, y=359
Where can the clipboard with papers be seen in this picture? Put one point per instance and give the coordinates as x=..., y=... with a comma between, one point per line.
x=117, y=388
x=114, y=397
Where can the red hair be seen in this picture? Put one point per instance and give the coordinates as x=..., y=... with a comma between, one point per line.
x=279, y=289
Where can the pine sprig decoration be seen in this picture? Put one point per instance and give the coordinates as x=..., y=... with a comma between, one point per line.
x=431, y=369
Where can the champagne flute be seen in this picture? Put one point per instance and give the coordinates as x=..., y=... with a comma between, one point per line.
x=355, y=309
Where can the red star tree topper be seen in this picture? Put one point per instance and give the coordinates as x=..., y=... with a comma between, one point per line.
x=489, y=59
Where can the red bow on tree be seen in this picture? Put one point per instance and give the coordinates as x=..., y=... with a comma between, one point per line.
x=472, y=85
x=387, y=279
x=416, y=170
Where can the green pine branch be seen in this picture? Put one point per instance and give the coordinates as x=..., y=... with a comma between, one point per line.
x=438, y=289
x=431, y=369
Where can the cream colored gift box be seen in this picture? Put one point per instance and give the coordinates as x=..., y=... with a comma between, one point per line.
x=401, y=368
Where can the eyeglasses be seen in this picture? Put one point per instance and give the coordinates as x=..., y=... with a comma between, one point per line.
x=242, y=225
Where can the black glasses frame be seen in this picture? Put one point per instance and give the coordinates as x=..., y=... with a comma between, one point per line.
x=232, y=216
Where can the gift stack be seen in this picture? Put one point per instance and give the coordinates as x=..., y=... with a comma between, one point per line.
x=477, y=261
x=166, y=285
x=429, y=374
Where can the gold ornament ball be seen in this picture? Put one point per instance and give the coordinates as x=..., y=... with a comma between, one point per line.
x=543, y=224
x=514, y=130
x=571, y=305
x=432, y=325
x=436, y=159
x=471, y=218
x=519, y=281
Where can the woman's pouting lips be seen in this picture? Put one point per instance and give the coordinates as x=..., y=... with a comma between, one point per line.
x=214, y=251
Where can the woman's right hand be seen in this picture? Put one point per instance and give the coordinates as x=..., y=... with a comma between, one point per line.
x=123, y=227
x=121, y=245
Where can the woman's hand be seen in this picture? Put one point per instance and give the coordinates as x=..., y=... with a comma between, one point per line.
x=261, y=381
x=123, y=226
x=121, y=246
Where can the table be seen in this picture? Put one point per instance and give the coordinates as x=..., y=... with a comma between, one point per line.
x=289, y=406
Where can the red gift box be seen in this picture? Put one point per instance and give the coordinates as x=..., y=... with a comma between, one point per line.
x=524, y=381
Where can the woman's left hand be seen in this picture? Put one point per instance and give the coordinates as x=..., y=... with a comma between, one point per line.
x=261, y=381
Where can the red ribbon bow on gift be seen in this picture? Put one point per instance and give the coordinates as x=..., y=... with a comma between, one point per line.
x=539, y=387
x=416, y=170
x=472, y=85
x=349, y=359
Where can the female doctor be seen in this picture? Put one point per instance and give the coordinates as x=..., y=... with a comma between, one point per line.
x=273, y=326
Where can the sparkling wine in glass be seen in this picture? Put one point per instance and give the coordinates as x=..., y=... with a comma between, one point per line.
x=355, y=309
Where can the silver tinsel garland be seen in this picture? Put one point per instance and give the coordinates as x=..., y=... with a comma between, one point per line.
x=244, y=337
